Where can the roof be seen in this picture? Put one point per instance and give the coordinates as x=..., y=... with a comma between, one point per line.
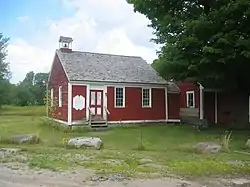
x=65, y=39
x=88, y=66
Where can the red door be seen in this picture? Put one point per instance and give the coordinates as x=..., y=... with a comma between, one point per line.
x=96, y=104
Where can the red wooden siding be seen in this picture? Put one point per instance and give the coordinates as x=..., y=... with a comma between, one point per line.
x=79, y=114
x=173, y=106
x=209, y=106
x=233, y=107
x=184, y=87
x=133, y=105
x=59, y=78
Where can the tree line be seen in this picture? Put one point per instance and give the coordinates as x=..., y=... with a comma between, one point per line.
x=30, y=91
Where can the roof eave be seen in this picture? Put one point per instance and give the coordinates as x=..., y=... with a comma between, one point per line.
x=123, y=82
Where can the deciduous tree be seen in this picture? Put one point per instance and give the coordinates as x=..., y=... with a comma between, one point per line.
x=204, y=40
x=4, y=69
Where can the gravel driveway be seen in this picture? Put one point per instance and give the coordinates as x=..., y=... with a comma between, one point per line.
x=21, y=176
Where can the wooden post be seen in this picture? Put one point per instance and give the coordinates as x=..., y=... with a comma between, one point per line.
x=216, y=108
x=201, y=102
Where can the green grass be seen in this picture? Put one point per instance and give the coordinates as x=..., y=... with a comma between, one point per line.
x=168, y=146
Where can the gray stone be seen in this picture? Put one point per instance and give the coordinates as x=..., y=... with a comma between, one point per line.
x=240, y=183
x=248, y=143
x=85, y=142
x=207, y=147
x=24, y=138
x=5, y=152
x=145, y=160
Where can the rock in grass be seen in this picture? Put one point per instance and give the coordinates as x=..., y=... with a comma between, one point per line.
x=6, y=152
x=248, y=143
x=207, y=147
x=24, y=138
x=85, y=142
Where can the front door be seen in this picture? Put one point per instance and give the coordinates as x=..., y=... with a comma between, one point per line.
x=96, y=104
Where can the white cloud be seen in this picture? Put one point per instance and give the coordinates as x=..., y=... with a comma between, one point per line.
x=107, y=26
x=23, y=18
x=24, y=57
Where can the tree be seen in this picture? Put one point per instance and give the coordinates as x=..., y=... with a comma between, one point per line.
x=39, y=90
x=31, y=90
x=4, y=68
x=29, y=79
x=205, y=41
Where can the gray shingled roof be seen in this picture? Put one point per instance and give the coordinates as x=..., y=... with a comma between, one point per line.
x=87, y=66
x=65, y=39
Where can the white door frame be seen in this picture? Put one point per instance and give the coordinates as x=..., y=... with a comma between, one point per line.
x=96, y=87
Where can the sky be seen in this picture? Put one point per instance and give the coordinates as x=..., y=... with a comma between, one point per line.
x=102, y=26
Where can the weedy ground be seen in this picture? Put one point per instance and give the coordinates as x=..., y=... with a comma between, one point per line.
x=134, y=151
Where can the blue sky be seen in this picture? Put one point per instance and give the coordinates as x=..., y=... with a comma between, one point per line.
x=34, y=26
x=34, y=12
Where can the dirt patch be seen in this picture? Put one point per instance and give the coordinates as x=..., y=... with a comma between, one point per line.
x=21, y=176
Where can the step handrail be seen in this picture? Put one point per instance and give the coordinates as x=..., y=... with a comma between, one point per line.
x=107, y=111
x=90, y=116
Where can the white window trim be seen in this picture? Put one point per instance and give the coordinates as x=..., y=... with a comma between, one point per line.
x=123, y=106
x=60, y=96
x=187, y=93
x=150, y=97
x=51, y=97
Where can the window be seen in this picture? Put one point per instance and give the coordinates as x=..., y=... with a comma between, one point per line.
x=146, y=97
x=119, y=97
x=190, y=99
x=51, y=97
x=60, y=96
x=92, y=97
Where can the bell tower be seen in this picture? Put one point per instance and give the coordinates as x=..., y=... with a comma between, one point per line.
x=65, y=44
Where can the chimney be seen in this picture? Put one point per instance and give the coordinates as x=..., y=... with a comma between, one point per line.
x=65, y=44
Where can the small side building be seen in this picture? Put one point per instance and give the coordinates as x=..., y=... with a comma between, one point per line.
x=93, y=87
x=216, y=106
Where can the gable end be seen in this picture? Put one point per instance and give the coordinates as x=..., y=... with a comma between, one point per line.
x=57, y=73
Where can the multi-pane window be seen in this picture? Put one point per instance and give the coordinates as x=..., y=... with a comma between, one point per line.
x=190, y=99
x=51, y=97
x=146, y=97
x=60, y=96
x=119, y=97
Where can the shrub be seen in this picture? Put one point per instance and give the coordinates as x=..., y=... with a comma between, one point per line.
x=226, y=141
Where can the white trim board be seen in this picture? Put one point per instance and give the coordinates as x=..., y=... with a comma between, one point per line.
x=216, y=108
x=249, y=109
x=123, y=95
x=166, y=102
x=60, y=95
x=59, y=121
x=145, y=121
x=118, y=84
x=69, y=103
x=201, y=102
x=87, y=100
x=190, y=92
x=114, y=84
x=150, y=97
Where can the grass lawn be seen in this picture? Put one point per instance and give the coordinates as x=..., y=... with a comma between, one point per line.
x=168, y=149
